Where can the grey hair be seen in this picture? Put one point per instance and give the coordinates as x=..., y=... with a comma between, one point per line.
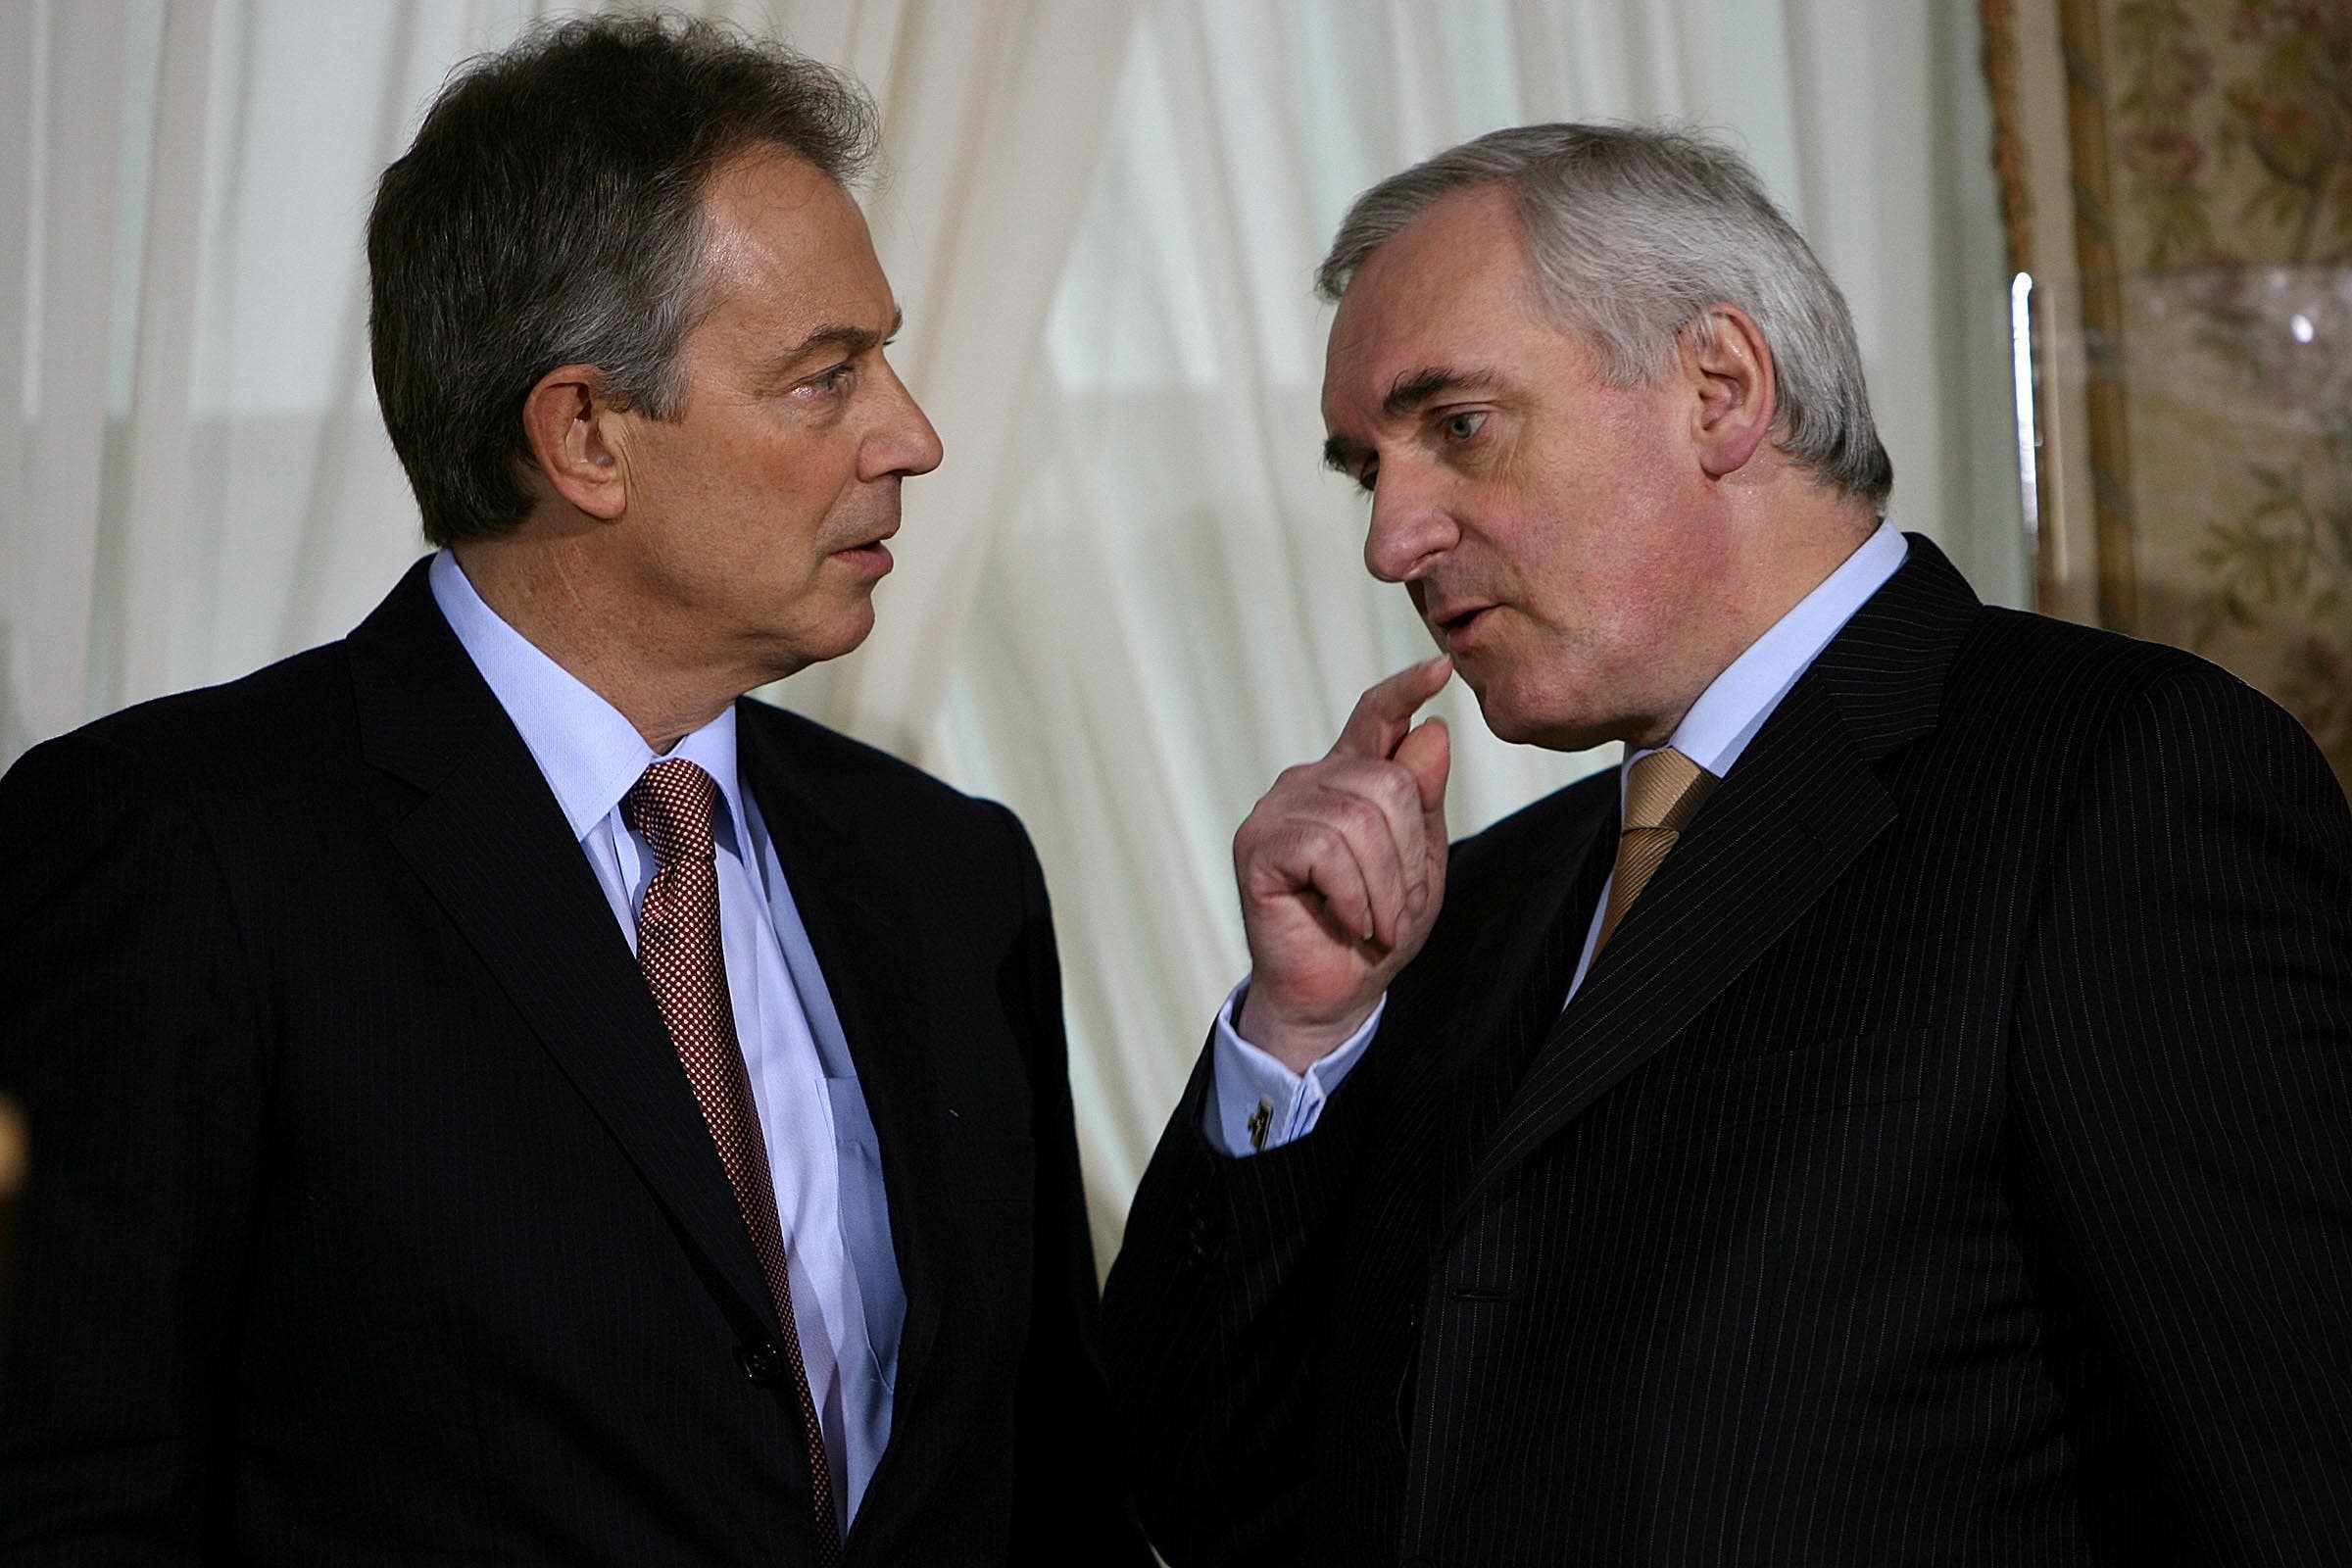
x=1634, y=234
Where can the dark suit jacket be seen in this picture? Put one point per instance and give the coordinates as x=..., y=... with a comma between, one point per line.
x=1948, y=1160
x=371, y=1218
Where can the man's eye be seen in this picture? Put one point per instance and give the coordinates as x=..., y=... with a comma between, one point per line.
x=833, y=382
x=1367, y=476
x=1462, y=426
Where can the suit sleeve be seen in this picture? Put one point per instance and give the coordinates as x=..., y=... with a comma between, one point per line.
x=1071, y=1504
x=130, y=1037
x=1213, y=1317
x=2183, y=1080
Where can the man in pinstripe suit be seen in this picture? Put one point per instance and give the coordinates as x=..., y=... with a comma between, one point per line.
x=1901, y=1118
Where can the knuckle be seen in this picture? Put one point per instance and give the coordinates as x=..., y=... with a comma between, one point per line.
x=1398, y=788
x=1294, y=778
x=1254, y=829
x=1323, y=837
x=1352, y=810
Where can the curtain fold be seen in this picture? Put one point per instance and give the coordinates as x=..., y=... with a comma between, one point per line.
x=990, y=114
x=72, y=120
x=155, y=436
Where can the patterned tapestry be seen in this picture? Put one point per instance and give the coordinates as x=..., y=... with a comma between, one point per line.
x=2211, y=144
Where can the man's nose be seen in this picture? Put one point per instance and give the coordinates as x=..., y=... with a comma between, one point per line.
x=904, y=444
x=1412, y=526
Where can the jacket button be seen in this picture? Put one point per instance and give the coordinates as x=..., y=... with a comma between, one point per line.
x=763, y=1362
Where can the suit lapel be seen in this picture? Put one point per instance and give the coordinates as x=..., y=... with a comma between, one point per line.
x=1535, y=959
x=1802, y=803
x=858, y=928
x=490, y=843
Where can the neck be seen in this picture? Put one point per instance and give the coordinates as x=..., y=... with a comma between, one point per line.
x=1784, y=546
x=1786, y=556
x=549, y=590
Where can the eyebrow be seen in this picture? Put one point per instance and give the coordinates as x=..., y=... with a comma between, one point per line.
x=1406, y=393
x=1343, y=456
x=1409, y=391
x=837, y=336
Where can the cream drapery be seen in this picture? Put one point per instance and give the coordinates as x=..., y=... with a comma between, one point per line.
x=1129, y=596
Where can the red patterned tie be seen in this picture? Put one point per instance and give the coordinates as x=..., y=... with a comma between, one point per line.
x=678, y=949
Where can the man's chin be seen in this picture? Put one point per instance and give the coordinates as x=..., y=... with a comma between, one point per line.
x=1543, y=720
x=843, y=633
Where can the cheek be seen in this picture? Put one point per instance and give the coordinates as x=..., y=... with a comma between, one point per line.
x=771, y=520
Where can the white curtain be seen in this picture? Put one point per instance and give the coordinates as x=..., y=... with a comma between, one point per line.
x=1129, y=596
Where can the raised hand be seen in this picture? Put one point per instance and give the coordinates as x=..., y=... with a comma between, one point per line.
x=1342, y=869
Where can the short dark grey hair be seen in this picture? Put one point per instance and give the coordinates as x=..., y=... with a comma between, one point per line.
x=549, y=213
x=1634, y=234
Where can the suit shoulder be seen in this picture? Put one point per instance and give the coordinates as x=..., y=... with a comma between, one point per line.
x=2036, y=709
x=2037, y=682
x=861, y=776
x=256, y=726
x=2028, y=651
x=178, y=786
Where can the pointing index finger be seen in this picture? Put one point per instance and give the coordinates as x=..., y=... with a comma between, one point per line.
x=1386, y=710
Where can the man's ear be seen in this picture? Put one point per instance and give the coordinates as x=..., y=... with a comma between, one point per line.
x=1730, y=366
x=573, y=427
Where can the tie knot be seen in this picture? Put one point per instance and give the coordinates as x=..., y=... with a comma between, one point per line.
x=1664, y=789
x=670, y=805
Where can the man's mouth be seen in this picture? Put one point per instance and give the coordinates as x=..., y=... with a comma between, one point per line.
x=1459, y=625
x=872, y=556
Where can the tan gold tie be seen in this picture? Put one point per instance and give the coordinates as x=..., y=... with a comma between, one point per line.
x=1662, y=793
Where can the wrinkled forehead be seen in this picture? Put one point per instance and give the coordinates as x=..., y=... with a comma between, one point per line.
x=1450, y=290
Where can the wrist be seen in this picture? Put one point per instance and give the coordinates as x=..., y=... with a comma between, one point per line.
x=1298, y=1039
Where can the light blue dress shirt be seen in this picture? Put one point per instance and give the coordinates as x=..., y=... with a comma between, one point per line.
x=848, y=1300
x=1251, y=1085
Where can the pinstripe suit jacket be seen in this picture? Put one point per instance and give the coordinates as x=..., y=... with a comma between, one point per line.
x=1946, y=1162
x=370, y=1218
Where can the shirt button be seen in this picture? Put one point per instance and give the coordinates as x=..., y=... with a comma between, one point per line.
x=763, y=1362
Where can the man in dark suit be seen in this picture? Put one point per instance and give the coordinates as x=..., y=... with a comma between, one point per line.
x=496, y=1093
x=1899, y=1118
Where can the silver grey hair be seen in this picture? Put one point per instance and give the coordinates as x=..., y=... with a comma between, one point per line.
x=1634, y=236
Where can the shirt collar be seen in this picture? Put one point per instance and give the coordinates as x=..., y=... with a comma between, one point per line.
x=1737, y=703
x=590, y=753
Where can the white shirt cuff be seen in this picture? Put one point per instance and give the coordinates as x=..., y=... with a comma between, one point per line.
x=1258, y=1103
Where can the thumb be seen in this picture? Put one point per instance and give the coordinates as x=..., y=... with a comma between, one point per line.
x=1427, y=753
